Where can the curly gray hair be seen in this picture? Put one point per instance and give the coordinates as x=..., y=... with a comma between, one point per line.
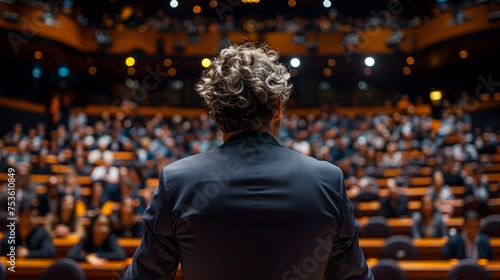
x=242, y=87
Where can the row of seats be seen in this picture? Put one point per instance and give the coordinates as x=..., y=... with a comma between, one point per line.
x=410, y=270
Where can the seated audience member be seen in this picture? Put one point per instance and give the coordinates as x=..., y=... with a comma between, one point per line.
x=65, y=222
x=441, y=193
x=42, y=167
x=469, y=243
x=392, y=158
x=428, y=222
x=126, y=222
x=31, y=241
x=70, y=184
x=451, y=173
x=136, y=177
x=25, y=191
x=463, y=151
x=107, y=171
x=395, y=205
x=20, y=159
x=98, y=245
x=14, y=136
x=49, y=200
x=477, y=188
x=94, y=201
x=81, y=167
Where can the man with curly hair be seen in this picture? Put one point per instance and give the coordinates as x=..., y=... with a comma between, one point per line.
x=250, y=209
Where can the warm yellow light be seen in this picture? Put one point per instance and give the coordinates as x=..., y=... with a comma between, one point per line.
x=213, y=4
x=410, y=60
x=196, y=9
x=131, y=71
x=463, y=54
x=205, y=62
x=130, y=61
x=292, y=3
x=435, y=95
x=406, y=70
x=331, y=62
x=92, y=70
x=167, y=62
x=38, y=55
x=367, y=71
x=327, y=72
x=172, y=72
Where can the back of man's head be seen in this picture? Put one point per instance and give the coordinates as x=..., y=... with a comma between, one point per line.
x=243, y=85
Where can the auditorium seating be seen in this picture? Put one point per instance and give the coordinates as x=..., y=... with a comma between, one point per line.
x=414, y=270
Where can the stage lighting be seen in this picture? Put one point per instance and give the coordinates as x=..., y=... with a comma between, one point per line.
x=130, y=61
x=369, y=61
x=63, y=71
x=435, y=95
x=295, y=62
x=174, y=4
x=327, y=3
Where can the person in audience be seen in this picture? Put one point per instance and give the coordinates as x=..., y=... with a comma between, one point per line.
x=428, y=222
x=15, y=136
x=20, y=160
x=49, y=200
x=464, y=151
x=31, y=240
x=101, y=153
x=451, y=173
x=392, y=157
x=441, y=193
x=395, y=205
x=70, y=184
x=81, y=167
x=477, y=189
x=98, y=245
x=95, y=200
x=107, y=172
x=42, y=167
x=65, y=222
x=126, y=221
x=470, y=243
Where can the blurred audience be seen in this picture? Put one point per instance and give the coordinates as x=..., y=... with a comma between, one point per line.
x=470, y=243
x=98, y=245
x=428, y=222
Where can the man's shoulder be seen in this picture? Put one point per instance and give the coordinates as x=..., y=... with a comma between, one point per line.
x=190, y=161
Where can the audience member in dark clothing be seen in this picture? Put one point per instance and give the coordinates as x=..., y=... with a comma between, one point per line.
x=469, y=243
x=428, y=222
x=65, y=222
x=99, y=244
x=31, y=241
x=451, y=173
x=95, y=201
x=49, y=200
x=395, y=204
x=126, y=222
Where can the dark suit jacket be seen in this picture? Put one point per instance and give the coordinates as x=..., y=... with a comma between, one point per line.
x=455, y=248
x=250, y=209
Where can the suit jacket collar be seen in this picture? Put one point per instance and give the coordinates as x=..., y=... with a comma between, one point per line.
x=252, y=137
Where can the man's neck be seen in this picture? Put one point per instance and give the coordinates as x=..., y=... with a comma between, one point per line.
x=227, y=135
